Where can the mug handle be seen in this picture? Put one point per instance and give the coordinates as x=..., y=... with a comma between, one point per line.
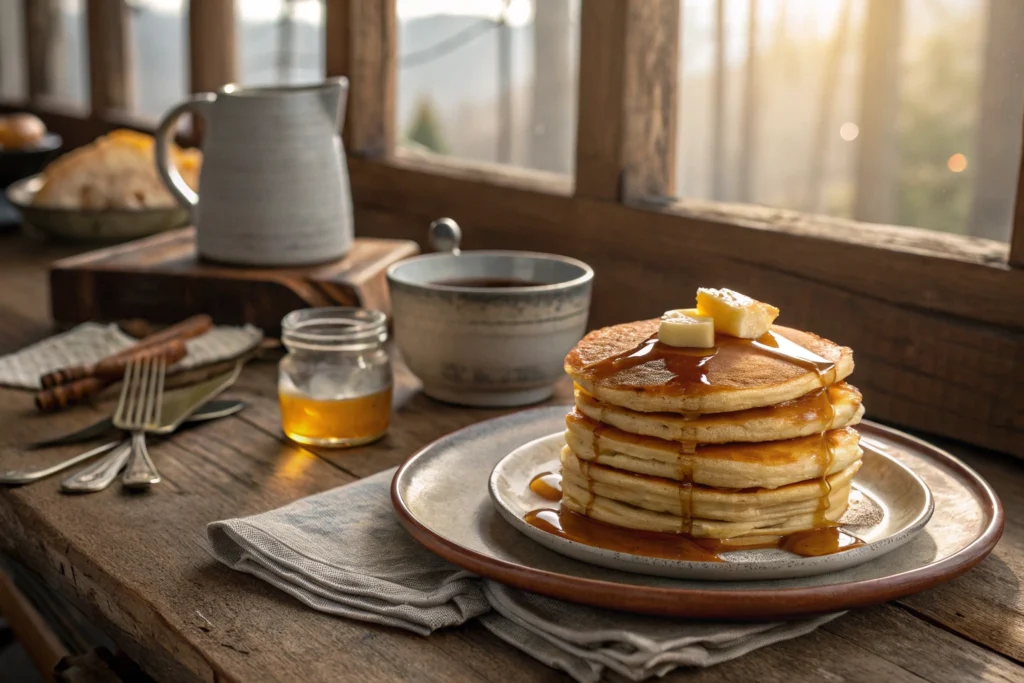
x=176, y=185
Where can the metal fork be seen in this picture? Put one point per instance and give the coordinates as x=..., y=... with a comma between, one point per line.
x=138, y=411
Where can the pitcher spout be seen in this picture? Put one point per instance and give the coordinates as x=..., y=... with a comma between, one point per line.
x=333, y=94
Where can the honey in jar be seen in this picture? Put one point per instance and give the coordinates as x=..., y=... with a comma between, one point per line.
x=335, y=383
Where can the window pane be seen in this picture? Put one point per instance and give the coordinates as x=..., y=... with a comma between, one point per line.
x=902, y=112
x=468, y=85
x=159, y=35
x=12, y=51
x=282, y=41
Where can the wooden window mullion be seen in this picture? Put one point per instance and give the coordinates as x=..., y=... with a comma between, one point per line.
x=213, y=45
x=40, y=17
x=110, y=75
x=629, y=70
x=361, y=44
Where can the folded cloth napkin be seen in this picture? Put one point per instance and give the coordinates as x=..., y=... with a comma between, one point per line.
x=92, y=342
x=344, y=552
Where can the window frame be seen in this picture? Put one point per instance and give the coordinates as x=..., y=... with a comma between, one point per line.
x=618, y=212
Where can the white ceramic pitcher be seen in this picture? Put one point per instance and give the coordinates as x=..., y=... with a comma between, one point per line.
x=274, y=187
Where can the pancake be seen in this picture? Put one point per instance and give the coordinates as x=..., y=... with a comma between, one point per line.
x=736, y=465
x=580, y=479
x=804, y=416
x=736, y=375
x=759, y=530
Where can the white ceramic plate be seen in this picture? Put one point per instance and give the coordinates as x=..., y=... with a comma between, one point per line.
x=888, y=505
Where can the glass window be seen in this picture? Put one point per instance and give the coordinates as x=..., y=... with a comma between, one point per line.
x=12, y=52
x=489, y=80
x=903, y=112
x=159, y=35
x=281, y=41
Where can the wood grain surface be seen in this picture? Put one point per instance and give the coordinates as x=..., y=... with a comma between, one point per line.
x=625, y=139
x=138, y=565
x=160, y=279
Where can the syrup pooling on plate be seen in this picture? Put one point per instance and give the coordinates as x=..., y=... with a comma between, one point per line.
x=547, y=485
x=574, y=527
x=569, y=525
x=818, y=542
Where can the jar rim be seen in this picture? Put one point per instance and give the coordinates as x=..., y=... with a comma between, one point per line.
x=331, y=326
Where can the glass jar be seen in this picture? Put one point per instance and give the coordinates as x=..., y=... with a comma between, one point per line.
x=335, y=383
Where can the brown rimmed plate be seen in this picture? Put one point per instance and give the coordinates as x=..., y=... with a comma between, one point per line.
x=441, y=496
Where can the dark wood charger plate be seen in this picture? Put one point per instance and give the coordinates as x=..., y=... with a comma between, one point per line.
x=434, y=495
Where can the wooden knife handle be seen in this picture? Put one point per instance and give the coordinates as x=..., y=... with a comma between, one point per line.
x=186, y=329
x=65, y=395
x=102, y=375
x=113, y=368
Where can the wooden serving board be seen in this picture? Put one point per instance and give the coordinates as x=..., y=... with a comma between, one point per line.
x=160, y=279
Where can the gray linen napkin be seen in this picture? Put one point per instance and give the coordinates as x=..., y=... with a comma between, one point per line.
x=92, y=342
x=343, y=552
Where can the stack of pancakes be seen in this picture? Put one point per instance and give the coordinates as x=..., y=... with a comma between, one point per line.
x=748, y=441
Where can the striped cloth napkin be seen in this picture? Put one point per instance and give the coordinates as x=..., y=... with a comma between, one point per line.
x=92, y=342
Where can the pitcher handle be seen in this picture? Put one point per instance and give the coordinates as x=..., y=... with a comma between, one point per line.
x=176, y=185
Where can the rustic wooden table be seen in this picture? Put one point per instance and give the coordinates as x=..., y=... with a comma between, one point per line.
x=138, y=565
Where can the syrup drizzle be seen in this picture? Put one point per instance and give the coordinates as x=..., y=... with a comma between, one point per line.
x=690, y=369
x=575, y=527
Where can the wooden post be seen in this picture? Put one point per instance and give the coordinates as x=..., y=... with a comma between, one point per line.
x=41, y=645
x=626, y=134
x=213, y=52
x=875, y=195
x=361, y=44
x=110, y=67
x=41, y=30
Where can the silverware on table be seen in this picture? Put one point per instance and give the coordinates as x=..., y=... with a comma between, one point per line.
x=178, y=406
x=106, y=426
x=100, y=474
x=139, y=411
x=211, y=410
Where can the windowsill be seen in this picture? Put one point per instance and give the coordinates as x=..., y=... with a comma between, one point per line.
x=482, y=171
x=905, y=239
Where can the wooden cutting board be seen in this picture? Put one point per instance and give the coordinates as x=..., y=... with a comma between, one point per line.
x=161, y=280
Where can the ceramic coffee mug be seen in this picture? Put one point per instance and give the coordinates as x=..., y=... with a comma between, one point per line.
x=488, y=328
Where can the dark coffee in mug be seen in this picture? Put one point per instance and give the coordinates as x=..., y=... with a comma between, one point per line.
x=486, y=282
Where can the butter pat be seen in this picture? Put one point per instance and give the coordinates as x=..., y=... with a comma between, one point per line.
x=736, y=314
x=687, y=328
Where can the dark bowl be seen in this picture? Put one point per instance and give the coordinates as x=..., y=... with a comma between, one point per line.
x=86, y=225
x=16, y=164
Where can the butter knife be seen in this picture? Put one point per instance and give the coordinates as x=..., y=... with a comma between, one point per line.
x=178, y=406
x=106, y=426
x=211, y=410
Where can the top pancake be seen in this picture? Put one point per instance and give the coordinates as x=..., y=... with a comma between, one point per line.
x=736, y=375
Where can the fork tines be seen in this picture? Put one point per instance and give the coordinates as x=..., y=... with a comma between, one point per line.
x=140, y=405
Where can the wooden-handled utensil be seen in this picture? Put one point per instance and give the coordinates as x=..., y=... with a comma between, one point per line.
x=104, y=373
x=186, y=329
